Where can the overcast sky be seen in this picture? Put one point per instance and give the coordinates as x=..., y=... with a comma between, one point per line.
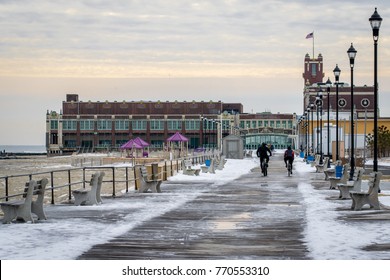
x=243, y=51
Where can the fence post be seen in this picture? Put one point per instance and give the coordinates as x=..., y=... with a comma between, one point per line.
x=52, y=187
x=6, y=188
x=127, y=179
x=84, y=177
x=165, y=171
x=69, y=185
x=155, y=171
x=113, y=181
x=135, y=178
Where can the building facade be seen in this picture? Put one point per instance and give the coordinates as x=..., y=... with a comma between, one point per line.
x=316, y=133
x=93, y=126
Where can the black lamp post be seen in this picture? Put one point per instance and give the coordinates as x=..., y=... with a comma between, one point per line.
x=308, y=129
x=319, y=106
x=375, y=21
x=317, y=126
x=307, y=134
x=337, y=72
x=352, y=54
x=328, y=85
x=312, y=127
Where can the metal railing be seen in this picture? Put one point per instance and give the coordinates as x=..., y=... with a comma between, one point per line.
x=62, y=181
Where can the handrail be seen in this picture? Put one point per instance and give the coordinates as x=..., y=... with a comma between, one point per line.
x=114, y=170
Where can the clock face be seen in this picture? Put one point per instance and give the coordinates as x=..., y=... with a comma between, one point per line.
x=365, y=102
x=342, y=102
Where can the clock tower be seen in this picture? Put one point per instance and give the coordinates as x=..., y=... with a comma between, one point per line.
x=313, y=70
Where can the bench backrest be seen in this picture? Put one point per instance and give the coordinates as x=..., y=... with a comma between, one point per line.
x=28, y=191
x=326, y=160
x=373, y=183
x=359, y=175
x=144, y=173
x=344, y=177
x=39, y=187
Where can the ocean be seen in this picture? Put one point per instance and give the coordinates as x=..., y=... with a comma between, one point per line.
x=23, y=149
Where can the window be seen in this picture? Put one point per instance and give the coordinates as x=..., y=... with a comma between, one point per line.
x=53, y=124
x=69, y=125
x=121, y=124
x=277, y=124
x=265, y=123
x=290, y=125
x=139, y=124
x=313, y=69
x=272, y=123
x=192, y=124
x=86, y=125
x=174, y=124
x=156, y=124
x=259, y=123
x=104, y=124
x=284, y=124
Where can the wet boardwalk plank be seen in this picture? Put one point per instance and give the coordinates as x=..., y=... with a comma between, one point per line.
x=253, y=217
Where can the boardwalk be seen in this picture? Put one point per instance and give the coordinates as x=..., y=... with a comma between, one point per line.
x=253, y=217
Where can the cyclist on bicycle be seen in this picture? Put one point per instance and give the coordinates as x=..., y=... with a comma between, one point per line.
x=262, y=153
x=289, y=156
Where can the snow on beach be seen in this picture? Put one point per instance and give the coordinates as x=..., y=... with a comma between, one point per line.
x=68, y=238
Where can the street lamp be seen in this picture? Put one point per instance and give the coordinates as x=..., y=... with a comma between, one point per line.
x=319, y=106
x=352, y=54
x=312, y=126
x=375, y=21
x=337, y=72
x=307, y=134
x=328, y=85
x=308, y=129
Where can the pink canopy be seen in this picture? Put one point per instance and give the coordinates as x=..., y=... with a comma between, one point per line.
x=177, y=137
x=141, y=142
x=131, y=144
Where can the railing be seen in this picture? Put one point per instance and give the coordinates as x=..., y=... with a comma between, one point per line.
x=62, y=181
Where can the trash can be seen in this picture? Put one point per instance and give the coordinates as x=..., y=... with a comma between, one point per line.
x=339, y=171
x=208, y=162
x=310, y=158
x=302, y=154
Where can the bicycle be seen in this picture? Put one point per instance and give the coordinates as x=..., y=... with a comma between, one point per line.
x=264, y=166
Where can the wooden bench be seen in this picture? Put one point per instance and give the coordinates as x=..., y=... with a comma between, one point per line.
x=340, y=180
x=359, y=199
x=23, y=209
x=90, y=196
x=351, y=186
x=211, y=168
x=187, y=168
x=321, y=167
x=147, y=182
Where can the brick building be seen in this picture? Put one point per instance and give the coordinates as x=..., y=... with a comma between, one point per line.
x=93, y=126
